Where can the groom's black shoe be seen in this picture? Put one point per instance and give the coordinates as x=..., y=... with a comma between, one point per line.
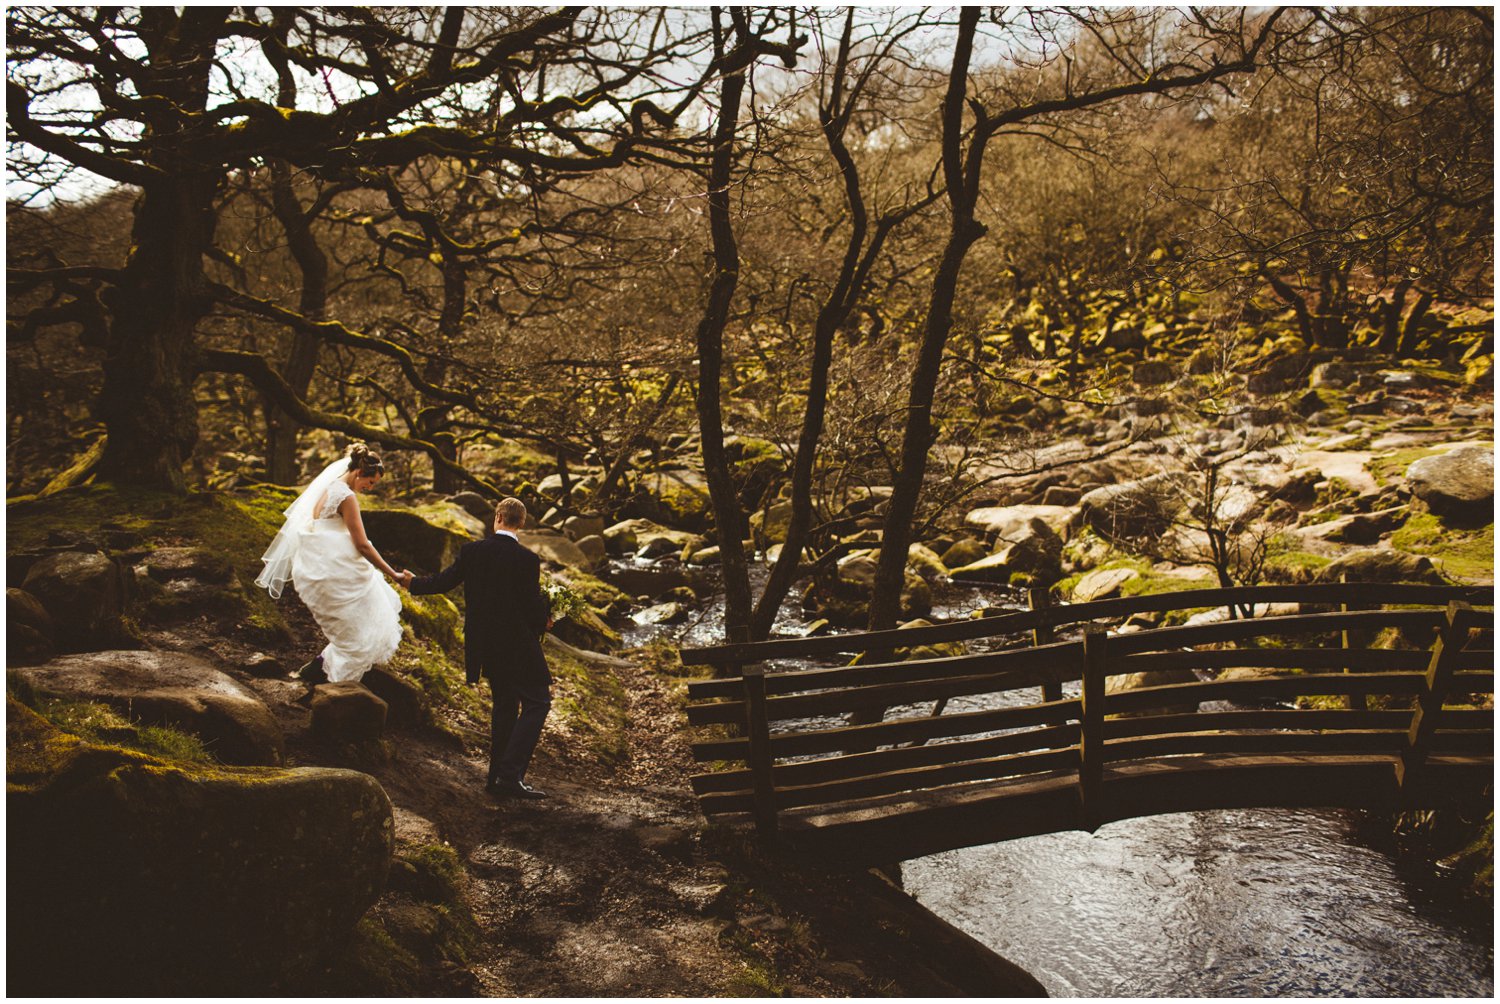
x=514, y=789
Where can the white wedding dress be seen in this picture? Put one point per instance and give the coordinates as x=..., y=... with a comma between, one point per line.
x=357, y=610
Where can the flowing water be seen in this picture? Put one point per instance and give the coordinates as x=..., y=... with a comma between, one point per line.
x=1242, y=903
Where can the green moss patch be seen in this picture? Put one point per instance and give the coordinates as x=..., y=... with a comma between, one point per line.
x=1468, y=555
x=588, y=703
x=103, y=726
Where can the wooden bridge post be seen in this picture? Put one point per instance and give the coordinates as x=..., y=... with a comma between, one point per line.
x=1040, y=598
x=1347, y=640
x=1424, y=719
x=758, y=732
x=1091, y=721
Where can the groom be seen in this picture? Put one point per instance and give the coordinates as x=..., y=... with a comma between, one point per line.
x=504, y=619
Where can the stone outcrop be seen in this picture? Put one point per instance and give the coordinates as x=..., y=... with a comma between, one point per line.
x=1132, y=509
x=84, y=594
x=347, y=712
x=844, y=598
x=554, y=547
x=1102, y=583
x=133, y=876
x=1009, y=523
x=168, y=688
x=424, y=538
x=1459, y=483
x=678, y=497
x=964, y=552
x=1379, y=565
x=1034, y=550
x=29, y=629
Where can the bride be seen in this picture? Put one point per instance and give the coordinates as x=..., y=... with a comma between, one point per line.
x=322, y=549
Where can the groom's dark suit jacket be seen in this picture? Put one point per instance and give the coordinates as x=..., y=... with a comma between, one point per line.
x=505, y=612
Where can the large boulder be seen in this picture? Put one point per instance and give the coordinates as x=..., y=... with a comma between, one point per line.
x=426, y=538
x=1459, y=483
x=656, y=579
x=964, y=552
x=678, y=497
x=29, y=629
x=1133, y=509
x=1009, y=523
x=347, y=712
x=83, y=593
x=844, y=598
x=1102, y=583
x=555, y=548
x=1380, y=565
x=133, y=876
x=771, y=524
x=1034, y=550
x=1152, y=678
x=167, y=688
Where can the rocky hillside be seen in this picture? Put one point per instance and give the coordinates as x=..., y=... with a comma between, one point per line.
x=181, y=801
x=181, y=804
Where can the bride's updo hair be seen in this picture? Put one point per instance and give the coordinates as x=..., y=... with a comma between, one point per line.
x=363, y=461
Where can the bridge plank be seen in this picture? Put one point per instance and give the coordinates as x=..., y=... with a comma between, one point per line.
x=900, y=781
x=912, y=825
x=897, y=672
x=1331, y=594
x=1275, y=688
x=814, y=741
x=838, y=768
x=832, y=702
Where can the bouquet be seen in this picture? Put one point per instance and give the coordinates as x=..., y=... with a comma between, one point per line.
x=562, y=599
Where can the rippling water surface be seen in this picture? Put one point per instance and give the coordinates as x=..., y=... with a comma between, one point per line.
x=1231, y=903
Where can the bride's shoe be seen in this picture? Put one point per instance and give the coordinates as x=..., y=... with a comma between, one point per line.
x=313, y=672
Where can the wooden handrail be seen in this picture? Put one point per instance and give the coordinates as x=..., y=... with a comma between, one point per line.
x=1328, y=594
x=1083, y=734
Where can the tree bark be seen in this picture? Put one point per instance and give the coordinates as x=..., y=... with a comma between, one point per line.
x=919, y=434
x=146, y=401
x=302, y=358
x=710, y=341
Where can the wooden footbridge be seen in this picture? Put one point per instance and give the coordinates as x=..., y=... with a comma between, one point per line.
x=1294, y=706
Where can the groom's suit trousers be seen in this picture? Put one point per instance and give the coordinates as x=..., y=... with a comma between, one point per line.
x=517, y=712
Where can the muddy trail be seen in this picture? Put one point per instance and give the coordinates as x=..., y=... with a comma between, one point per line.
x=614, y=885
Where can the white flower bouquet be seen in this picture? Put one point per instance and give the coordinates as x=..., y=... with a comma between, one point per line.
x=562, y=599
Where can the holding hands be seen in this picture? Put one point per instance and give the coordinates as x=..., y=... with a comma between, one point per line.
x=403, y=577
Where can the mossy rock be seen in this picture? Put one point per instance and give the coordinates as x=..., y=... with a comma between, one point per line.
x=171, y=689
x=238, y=525
x=1467, y=555
x=426, y=537
x=677, y=497
x=179, y=879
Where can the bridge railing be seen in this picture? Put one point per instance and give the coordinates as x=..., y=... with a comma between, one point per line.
x=816, y=758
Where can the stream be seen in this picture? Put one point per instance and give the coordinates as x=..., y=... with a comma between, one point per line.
x=1234, y=903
